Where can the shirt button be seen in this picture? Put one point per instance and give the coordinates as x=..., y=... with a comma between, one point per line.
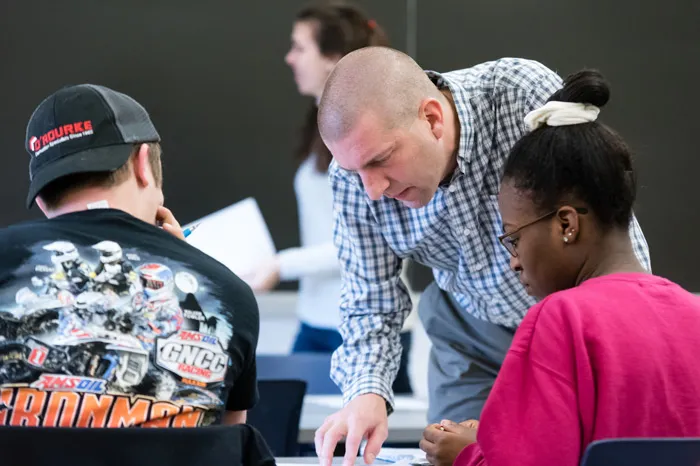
x=478, y=266
x=453, y=187
x=466, y=232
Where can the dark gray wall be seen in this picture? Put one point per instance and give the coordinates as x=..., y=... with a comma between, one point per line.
x=212, y=75
x=648, y=51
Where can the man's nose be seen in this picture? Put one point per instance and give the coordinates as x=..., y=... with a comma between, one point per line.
x=375, y=184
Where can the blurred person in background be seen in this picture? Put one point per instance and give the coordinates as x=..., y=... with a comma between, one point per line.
x=321, y=35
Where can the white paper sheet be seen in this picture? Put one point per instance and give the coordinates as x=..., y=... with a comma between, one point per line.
x=403, y=403
x=237, y=236
x=407, y=455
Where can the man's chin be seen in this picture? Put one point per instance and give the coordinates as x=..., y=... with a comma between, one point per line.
x=415, y=203
x=412, y=198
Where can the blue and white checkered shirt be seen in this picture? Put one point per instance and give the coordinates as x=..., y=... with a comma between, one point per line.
x=456, y=233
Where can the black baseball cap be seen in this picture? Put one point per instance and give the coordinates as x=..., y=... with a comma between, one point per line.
x=80, y=129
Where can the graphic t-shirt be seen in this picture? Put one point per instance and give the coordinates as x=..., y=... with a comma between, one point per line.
x=107, y=321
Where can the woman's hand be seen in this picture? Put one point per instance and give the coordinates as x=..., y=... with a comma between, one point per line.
x=265, y=277
x=443, y=442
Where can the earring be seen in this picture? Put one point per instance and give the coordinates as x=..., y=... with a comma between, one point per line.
x=566, y=240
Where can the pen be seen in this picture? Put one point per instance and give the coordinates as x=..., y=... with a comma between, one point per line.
x=188, y=231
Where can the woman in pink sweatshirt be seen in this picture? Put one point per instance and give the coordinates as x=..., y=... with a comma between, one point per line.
x=611, y=350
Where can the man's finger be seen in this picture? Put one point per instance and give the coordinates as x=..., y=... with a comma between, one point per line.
x=352, y=444
x=176, y=232
x=165, y=215
x=166, y=219
x=320, y=434
x=375, y=439
x=334, y=435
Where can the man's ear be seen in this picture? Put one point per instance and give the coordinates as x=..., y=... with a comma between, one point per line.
x=432, y=111
x=42, y=206
x=141, y=167
x=569, y=224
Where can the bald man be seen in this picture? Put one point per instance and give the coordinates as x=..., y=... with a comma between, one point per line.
x=417, y=163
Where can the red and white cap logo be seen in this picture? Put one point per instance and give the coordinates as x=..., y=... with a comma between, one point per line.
x=34, y=143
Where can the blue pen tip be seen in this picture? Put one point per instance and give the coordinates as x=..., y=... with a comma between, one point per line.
x=188, y=231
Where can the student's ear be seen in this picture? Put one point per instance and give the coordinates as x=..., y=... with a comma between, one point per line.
x=568, y=220
x=142, y=167
x=39, y=202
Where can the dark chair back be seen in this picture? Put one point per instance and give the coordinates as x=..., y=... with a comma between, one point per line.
x=643, y=452
x=313, y=368
x=278, y=413
x=239, y=445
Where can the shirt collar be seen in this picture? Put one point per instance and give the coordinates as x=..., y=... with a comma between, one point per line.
x=461, y=100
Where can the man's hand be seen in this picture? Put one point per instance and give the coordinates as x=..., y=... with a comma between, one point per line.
x=363, y=417
x=443, y=442
x=168, y=222
x=265, y=278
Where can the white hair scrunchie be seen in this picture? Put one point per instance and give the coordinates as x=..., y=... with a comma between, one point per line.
x=556, y=113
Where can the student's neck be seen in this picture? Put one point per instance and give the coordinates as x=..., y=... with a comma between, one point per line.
x=614, y=254
x=92, y=198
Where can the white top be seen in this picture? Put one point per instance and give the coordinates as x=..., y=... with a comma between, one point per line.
x=315, y=264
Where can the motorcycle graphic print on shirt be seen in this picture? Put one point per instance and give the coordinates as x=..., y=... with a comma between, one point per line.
x=97, y=336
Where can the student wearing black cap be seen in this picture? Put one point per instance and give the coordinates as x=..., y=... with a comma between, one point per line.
x=107, y=320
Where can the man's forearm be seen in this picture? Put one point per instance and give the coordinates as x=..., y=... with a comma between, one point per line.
x=234, y=417
x=368, y=366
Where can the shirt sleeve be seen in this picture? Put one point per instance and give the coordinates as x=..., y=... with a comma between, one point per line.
x=296, y=263
x=532, y=414
x=244, y=392
x=374, y=300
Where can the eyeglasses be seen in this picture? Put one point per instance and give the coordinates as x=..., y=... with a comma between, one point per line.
x=507, y=239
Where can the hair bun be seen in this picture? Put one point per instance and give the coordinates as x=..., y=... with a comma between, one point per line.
x=585, y=87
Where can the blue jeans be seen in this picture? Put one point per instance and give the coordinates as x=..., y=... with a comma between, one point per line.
x=322, y=340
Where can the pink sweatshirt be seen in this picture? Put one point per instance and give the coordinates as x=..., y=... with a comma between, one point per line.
x=618, y=356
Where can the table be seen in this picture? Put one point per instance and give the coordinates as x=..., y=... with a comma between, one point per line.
x=337, y=461
x=406, y=423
